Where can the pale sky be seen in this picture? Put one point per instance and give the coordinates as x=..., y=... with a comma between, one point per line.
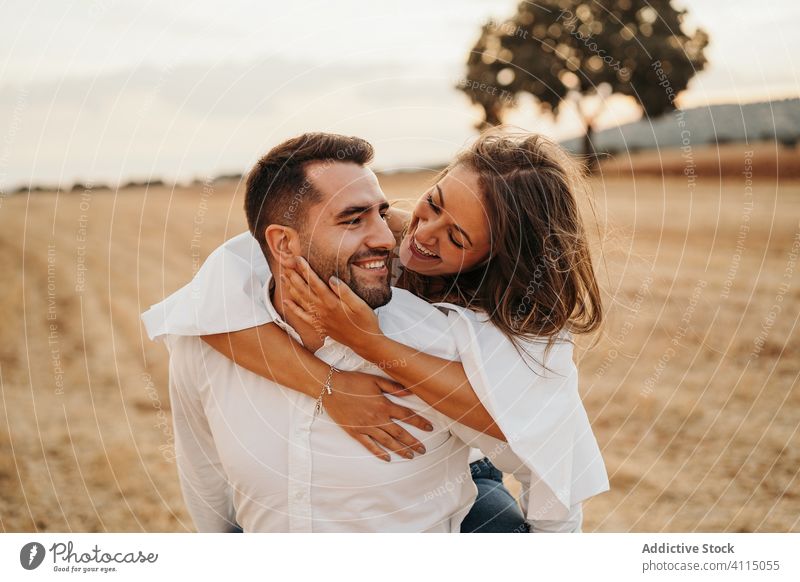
x=118, y=89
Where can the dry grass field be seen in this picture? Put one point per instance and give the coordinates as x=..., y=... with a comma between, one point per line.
x=692, y=386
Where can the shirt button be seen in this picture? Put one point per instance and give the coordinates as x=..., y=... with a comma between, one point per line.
x=299, y=495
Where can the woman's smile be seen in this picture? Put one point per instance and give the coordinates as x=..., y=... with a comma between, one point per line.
x=422, y=253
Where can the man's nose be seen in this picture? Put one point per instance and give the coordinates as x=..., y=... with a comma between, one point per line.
x=381, y=237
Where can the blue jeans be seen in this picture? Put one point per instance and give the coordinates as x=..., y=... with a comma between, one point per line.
x=495, y=509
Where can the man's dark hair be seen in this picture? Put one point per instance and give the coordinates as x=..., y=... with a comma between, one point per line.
x=279, y=189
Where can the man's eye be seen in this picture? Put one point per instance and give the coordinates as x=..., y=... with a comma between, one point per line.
x=385, y=216
x=354, y=221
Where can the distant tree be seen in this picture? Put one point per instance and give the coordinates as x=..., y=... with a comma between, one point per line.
x=583, y=52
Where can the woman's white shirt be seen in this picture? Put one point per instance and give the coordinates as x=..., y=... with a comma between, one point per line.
x=533, y=397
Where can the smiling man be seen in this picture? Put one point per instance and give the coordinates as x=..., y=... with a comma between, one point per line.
x=250, y=451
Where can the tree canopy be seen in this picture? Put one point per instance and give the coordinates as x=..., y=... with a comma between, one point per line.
x=562, y=51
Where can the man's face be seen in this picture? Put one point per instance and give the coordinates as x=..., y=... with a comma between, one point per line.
x=345, y=234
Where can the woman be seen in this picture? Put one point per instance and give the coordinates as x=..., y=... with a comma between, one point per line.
x=497, y=242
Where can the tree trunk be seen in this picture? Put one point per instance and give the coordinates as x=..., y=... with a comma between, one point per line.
x=589, y=115
x=588, y=147
x=492, y=116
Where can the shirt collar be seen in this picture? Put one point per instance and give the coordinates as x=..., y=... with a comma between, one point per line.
x=327, y=344
x=273, y=313
x=267, y=284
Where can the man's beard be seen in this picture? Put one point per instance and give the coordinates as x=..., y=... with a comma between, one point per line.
x=327, y=266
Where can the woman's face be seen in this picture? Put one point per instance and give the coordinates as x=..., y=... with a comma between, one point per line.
x=449, y=229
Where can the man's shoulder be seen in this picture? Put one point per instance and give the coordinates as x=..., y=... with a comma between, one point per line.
x=184, y=354
x=181, y=345
x=194, y=353
x=415, y=322
x=405, y=306
x=189, y=355
x=195, y=366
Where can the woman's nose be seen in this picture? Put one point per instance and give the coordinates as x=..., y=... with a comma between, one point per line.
x=425, y=231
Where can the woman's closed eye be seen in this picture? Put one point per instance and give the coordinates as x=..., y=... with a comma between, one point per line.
x=433, y=206
x=438, y=210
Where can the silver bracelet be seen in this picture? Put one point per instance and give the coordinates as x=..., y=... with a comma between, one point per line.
x=327, y=388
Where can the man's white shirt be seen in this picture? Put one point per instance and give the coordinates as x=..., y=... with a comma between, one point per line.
x=251, y=451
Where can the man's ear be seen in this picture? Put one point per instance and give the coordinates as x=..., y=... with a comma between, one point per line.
x=283, y=243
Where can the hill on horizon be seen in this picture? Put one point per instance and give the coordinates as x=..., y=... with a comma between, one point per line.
x=728, y=123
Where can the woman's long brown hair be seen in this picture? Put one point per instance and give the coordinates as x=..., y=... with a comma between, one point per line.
x=538, y=279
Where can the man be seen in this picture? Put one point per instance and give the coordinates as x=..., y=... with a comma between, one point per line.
x=253, y=452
